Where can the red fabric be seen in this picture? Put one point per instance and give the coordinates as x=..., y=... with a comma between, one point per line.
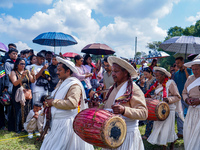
x=155, y=85
x=151, y=67
x=14, y=60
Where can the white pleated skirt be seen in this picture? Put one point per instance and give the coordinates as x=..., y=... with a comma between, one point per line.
x=191, y=129
x=133, y=140
x=164, y=131
x=62, y=137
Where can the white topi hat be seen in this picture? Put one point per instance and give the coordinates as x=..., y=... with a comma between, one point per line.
x=194, y=62
x=124, y=64
x=162, y=70
x=68, y=63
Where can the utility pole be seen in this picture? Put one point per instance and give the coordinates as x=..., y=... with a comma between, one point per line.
x=135, y=46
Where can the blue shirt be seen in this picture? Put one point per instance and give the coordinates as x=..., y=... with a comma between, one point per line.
x=180, y=79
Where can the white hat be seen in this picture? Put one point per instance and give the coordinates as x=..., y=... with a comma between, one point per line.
x=124, y=64
x=162, y=70
x=194, y=62
x=68, y=63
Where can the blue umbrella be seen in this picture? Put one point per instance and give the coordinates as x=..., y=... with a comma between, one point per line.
x=54, y=39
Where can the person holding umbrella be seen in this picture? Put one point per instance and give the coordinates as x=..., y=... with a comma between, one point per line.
x=191, y=95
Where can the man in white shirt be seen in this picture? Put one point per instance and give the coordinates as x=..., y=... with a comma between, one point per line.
x=38, y=91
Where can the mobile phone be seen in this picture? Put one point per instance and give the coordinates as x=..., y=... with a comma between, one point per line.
x=33, y=68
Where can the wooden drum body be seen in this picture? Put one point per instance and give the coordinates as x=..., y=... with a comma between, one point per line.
x=157, y=110
x=100, y=128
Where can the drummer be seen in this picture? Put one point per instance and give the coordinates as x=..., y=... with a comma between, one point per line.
x=191, y=95
x=126, y=98
x=165, y=90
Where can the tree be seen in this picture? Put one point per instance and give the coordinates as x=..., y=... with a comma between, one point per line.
x=138, y=55
x=197, y=29
x=189, y=30
x=154, y=45
x=174, y=31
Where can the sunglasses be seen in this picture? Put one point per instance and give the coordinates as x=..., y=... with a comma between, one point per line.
x=22, y=64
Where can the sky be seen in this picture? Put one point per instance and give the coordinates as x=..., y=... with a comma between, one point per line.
x=115, y=23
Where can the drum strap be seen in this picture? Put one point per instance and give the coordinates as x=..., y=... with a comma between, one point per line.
x=126, y=96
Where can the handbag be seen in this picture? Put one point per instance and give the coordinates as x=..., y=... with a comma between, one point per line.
x=27, y=91
x=5, y=99
x=27, y=94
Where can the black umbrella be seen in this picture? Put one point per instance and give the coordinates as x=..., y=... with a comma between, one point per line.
x=98, y=49
x=182, y=44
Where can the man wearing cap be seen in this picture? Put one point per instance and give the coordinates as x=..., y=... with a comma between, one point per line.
x=38, y=68
x=191, y=95
x=64, y=103
x=126, y=99
x=167, y=91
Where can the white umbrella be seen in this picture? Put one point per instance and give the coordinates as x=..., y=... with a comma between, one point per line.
x=182, y=44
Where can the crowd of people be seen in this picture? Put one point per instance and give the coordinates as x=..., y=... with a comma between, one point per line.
x=29, y=79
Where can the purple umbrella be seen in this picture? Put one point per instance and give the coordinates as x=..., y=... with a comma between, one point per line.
x=3, y=48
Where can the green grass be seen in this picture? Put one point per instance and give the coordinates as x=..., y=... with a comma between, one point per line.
x=14, y=141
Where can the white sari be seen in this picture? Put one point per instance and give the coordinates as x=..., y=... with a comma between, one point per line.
x=61, y=136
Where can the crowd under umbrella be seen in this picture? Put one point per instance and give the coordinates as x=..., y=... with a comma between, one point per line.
x=157, y=54
x=54, y=39
x=182, y=44
x=70, y=54
x=3, y=47
x=98, y=49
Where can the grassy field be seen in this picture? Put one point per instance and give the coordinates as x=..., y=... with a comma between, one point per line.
x=14, y=141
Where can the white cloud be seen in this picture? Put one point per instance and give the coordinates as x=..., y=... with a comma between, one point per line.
x=136, y=8
x=193, y=19
x=131, y=19
x=10, y=3
x=21, y=46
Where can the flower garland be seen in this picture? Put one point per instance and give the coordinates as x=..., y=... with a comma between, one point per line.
x=155, y=85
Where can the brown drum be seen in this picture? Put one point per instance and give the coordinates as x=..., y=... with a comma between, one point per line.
x=100, y=128
x=157, y=110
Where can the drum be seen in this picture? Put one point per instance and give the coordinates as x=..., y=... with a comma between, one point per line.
x=157, y=110
x=100, y=127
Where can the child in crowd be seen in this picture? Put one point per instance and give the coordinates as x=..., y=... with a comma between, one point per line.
x=34, y=121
